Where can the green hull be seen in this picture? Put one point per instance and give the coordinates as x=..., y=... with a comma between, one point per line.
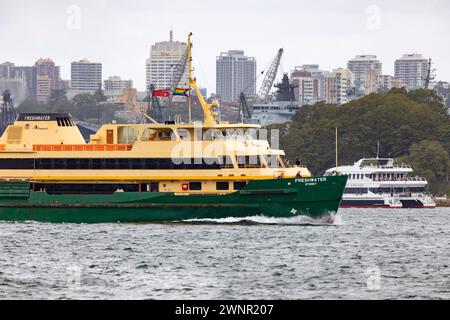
x=313, y=197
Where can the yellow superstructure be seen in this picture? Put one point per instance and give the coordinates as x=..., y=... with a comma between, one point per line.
x=172, y=157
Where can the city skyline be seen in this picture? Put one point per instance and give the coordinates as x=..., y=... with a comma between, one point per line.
x=79, y=29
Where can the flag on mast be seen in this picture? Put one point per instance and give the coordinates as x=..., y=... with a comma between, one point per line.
x=161, y=93
x=181, y=92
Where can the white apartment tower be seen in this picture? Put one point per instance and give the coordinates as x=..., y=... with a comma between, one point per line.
x=235, y=73
x=365, y=68
x=165, y=60
x=338, y=84
x=86, y=76
x=412, y=70
x=309, y=84
x=114, y=86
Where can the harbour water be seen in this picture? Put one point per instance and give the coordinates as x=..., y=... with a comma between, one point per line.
x=366, y=254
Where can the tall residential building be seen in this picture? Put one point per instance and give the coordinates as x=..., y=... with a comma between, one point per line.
x=305, y=87
x=235, y=73
x=114, y=86
x=25, y=75
x=412, y=69
x=6, y=70
x=362, y=66
x=371, y=81
x=43, y=88
x=338, y=85
x=309, y=83
x=86, y=76
x=28, y=73
x=47, y=68
x=165, y=61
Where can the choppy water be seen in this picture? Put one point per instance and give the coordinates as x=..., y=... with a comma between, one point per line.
x=369, y=254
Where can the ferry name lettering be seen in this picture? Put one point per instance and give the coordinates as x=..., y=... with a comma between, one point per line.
x=307, y=180
x=37, y=118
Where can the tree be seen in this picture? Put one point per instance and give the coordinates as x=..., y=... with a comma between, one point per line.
x=430, y=159
x=99, y=96
x=57, y=96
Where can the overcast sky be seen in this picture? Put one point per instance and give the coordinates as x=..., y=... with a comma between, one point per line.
x=119, y=33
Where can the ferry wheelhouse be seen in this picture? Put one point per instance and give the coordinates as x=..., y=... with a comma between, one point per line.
x=381, y=183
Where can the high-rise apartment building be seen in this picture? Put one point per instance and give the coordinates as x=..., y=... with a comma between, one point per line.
x=235, y=73
x=47, y=68
x=365, y=68
x=115, y=86
x=412, y=70
x=167, y=59
x=309, y=84
x=86, y=76
x=43, y=88
x=338, y=85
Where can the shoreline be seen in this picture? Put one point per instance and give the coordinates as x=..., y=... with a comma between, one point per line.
x=443, y=203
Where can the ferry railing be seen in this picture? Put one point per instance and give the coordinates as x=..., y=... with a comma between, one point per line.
x=399, y=179
x=82, y=147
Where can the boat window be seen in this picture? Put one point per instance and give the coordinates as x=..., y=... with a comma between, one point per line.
x=272, y=161
x=184, y=134
x=166, y=135
x=252, y=161
x=195, y=186
x=218, y=135
x=250, y=134
x=148, y=135
x=222, y=185
x=226, y=162
x=208, y=135
x=356, y=190
x=238, y=185
x=127, y=135
x=154, y=186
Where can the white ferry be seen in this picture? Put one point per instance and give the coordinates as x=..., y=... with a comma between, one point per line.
x=378, y=182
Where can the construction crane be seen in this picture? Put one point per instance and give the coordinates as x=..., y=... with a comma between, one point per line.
x=8, y=111
x=269, y=78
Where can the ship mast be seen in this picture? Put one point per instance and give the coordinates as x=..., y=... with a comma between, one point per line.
x=209, y=116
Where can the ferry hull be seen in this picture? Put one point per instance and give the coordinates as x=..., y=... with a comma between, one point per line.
x=317, y=198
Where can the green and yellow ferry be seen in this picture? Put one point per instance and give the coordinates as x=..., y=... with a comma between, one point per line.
x=153, y=172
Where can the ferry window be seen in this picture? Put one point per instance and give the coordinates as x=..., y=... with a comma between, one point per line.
x=208, y=135
x=272, y=161
x=218, y=135
x=225, y=162
x=251, y=134
x=148, y=135
x=165, y=135
x=154, y=186
x=222, y=185
x=239, y=185
x=127, y=135
x=184, y=134
x=252, y=161
x=241, y=161
x=195, y=186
